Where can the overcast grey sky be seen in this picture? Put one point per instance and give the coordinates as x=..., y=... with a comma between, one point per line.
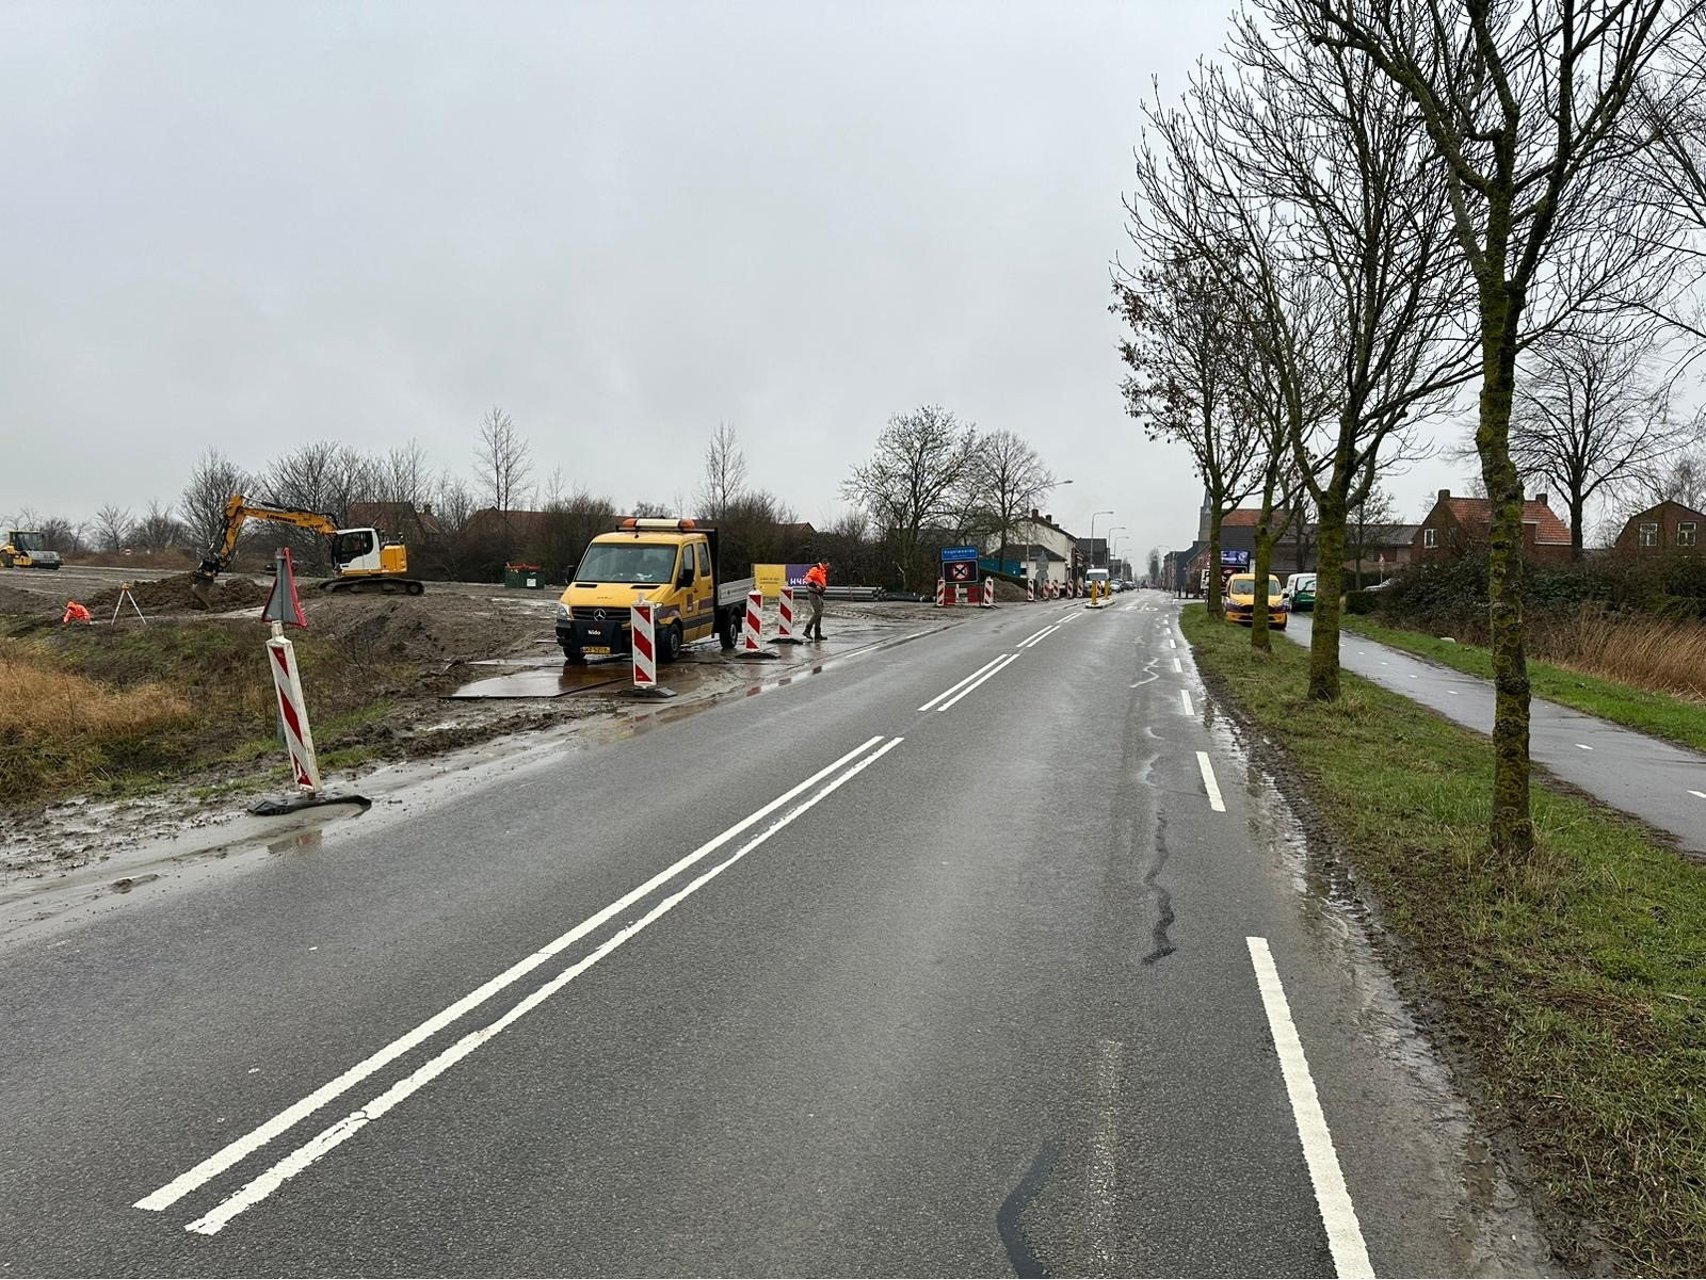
x=249, y=225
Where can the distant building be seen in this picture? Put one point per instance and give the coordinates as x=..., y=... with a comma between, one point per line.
x=1456, y=524
x=1668, y=528
x=1050, y=553
x=416, y=526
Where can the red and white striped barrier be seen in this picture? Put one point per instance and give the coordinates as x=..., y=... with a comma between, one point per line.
x=751, y=635
x=1030, y=591
x=785, y=618
x=942, y=589
x=988, y=601
x=644, y=643
x=293, y=714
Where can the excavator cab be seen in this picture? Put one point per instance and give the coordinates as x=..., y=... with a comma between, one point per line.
x=366, y=553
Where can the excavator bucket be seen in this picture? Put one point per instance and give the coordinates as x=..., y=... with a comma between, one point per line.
x=201, y=583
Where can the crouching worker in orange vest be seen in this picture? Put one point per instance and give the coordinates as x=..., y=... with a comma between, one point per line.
x=74, y=612
x=817, y=581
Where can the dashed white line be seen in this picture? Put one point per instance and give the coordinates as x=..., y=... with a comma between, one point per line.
x=1209, y=784
x=1332, y=1197
x=1104, y=1146
x=1001, y=664
x=1185, y=697
x=337, y=1134
x=256, y=1138
x=952, y=688
x=1701, y=794
x=1177, y=665
x=1584, y=746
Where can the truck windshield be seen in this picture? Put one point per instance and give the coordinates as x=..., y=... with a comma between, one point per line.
x=627, y=562
x=29, y=542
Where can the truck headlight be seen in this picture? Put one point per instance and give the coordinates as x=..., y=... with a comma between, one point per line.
x=562, y=612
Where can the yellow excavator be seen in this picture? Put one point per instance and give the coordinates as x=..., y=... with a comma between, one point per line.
x=362, y=559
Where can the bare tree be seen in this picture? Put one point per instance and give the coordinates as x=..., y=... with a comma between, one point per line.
x=112, y=527
x=922, y=463
x=158, y=529
x=503, y=462
x=1183, y=352
x=725, y=473
x=1012, y=480
x=1683, y=478
x=1342, y=265
x=1370, y=525
x=1522, y=107
x=213, y=483
x=1591, y=416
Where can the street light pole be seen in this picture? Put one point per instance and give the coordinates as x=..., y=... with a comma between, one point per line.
x=1093, y=516
x=1118, y=528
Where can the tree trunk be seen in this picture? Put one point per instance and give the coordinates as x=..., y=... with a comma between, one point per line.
x=1511, y=829
x=1211, y=596
x=1259, y=638
x=1329, y=578
x=1578, y=509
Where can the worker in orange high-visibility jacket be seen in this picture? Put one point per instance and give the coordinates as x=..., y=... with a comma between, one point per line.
x=817, y=582
x=74, y=612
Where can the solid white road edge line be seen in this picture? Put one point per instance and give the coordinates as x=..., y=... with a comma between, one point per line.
x=258, y=1137
x=337, y=1134
x=973, y=676
x=1000, y=666
x=1338, y=1214
x=1209, y=784
x=1185, y=697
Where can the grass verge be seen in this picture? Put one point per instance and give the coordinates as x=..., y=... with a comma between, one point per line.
x=1674, y=719
x=1577, y=985
x=121, y=712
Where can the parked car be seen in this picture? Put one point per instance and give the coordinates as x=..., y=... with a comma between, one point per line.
x=1300, y=592
x=1241, y=601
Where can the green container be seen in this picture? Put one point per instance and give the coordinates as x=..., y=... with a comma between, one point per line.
x=524, y=577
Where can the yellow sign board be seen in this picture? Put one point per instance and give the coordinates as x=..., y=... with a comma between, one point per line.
x=768, y=579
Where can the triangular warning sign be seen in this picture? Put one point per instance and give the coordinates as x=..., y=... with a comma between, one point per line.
x=284, y=605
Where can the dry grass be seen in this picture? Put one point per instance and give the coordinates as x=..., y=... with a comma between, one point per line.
x=40, y=704
x=1664, y=657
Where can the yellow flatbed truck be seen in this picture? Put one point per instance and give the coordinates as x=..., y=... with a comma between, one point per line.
x=672, y=564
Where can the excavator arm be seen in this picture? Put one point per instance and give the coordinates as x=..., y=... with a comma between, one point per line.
x=238, y=512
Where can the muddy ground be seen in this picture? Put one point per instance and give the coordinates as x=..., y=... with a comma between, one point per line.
x=462, y=674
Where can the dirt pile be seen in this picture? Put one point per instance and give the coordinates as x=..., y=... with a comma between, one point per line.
x=177, y=595
x=429, y=629
x=27, y=603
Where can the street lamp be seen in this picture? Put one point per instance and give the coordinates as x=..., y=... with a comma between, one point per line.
x=1093, y=516
x=1118, y=528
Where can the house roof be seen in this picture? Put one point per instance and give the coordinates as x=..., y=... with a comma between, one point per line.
x=1248, y=517
x=393, y=517
x=1477, y=512
x=1660, y=506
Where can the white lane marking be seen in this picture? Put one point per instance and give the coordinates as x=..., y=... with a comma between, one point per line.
x=1172, y=643
x=973, y=676
x=1104, y=1147
x=1338, y=1214
x=1584, y=746
x=258, y=1137
x=1000, y=665
x=1034, y=636
x=1701, y=794
x=1042, y=635
x=342, y=1131
x=1209, y=784
x=1185, y=697
x=1452, y=692
x=1177, y=666
x=1144, y=681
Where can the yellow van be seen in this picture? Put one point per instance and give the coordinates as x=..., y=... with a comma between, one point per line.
x=1241, y=601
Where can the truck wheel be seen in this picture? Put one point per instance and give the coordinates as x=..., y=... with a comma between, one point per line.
x=725, y=632
x=573, y=657
x=670, y=649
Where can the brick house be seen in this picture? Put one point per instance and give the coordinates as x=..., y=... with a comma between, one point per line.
x=1669, y=527
x=1456, y=524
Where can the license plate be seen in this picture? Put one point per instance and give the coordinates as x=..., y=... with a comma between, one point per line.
x=596, y=648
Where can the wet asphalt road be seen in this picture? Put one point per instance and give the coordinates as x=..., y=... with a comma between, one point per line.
x=965, y=990
x=1662, y=784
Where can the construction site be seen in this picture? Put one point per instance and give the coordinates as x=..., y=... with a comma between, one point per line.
x=153, y=726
